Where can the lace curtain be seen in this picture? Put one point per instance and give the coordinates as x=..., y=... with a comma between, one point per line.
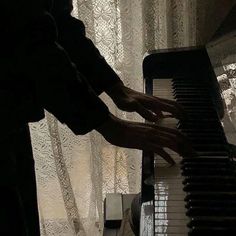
x=74, y=173
x=227, y=81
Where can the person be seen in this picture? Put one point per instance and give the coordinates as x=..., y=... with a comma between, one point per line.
x=38, y=74
x=100, y=76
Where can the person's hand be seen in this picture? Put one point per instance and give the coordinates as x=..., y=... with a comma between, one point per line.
x=147, y=137
x=149, y=107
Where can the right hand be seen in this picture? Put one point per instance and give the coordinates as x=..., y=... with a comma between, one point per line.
x=147, y=137
x=149, y=107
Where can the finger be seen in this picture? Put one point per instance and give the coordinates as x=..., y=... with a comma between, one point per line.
x=153, y=147
x=146, y=114
x=169, y=130
x=172, y=102
x=167, y=116
x=149, y=134
x=157, y=104
x=174, y=141
x=165, y=137
x=176, y=106
x=178, y=141
x=166, y=156
x=172, y=109
x=156, y=130
x=161, y=152
x=170, y=143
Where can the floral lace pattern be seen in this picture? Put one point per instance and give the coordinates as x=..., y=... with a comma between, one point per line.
x=227, y=83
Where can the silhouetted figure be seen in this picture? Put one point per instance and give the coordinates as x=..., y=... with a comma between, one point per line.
x=37, y=74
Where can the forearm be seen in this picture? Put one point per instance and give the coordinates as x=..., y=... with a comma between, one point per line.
x=85, y=55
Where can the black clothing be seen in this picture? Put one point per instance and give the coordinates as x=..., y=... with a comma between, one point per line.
x=59, y=7
x=44, y=71
x=19, y=212
x=35, y=73
x=83, y=53
x=57, y=83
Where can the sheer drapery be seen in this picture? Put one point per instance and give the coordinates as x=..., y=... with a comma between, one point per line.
x=74, y=173
x=227, y=81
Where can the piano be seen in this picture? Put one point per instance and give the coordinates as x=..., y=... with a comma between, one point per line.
x=197, y=196
x=186, y=198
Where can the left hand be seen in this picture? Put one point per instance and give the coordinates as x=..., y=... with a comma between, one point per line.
x=149, y=107
x=145, y=136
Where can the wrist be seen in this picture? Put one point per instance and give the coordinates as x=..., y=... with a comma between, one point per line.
x=105, y=127
x=115, y=88
x=114, y=130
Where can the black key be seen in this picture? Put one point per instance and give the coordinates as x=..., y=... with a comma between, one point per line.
x=195, y=131
x=211, y=203
x=209, y=165
x=212, y=222
x=212, y=231
x=180, y=91
x=207, y=159
x=209, y=147
x=192, y=96
x=230, y=196
x=211, y=211
x=200, y=125
x=182, y=86
x=210, y=179
x=207, y=171
x=212, y=153
x=206, y=140
x=209, y=187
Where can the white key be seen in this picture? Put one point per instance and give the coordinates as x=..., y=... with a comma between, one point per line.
x=175, y=223
x=163, y=88
x=171, y=230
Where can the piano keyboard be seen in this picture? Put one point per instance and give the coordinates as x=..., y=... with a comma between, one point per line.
x=197, y=196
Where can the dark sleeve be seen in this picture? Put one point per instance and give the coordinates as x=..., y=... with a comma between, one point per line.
x=82, y=51
x=59, y=87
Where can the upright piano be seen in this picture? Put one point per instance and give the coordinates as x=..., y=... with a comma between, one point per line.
x=197, y=196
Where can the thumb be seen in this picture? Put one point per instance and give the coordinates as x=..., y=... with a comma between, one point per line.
x=161, y=152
